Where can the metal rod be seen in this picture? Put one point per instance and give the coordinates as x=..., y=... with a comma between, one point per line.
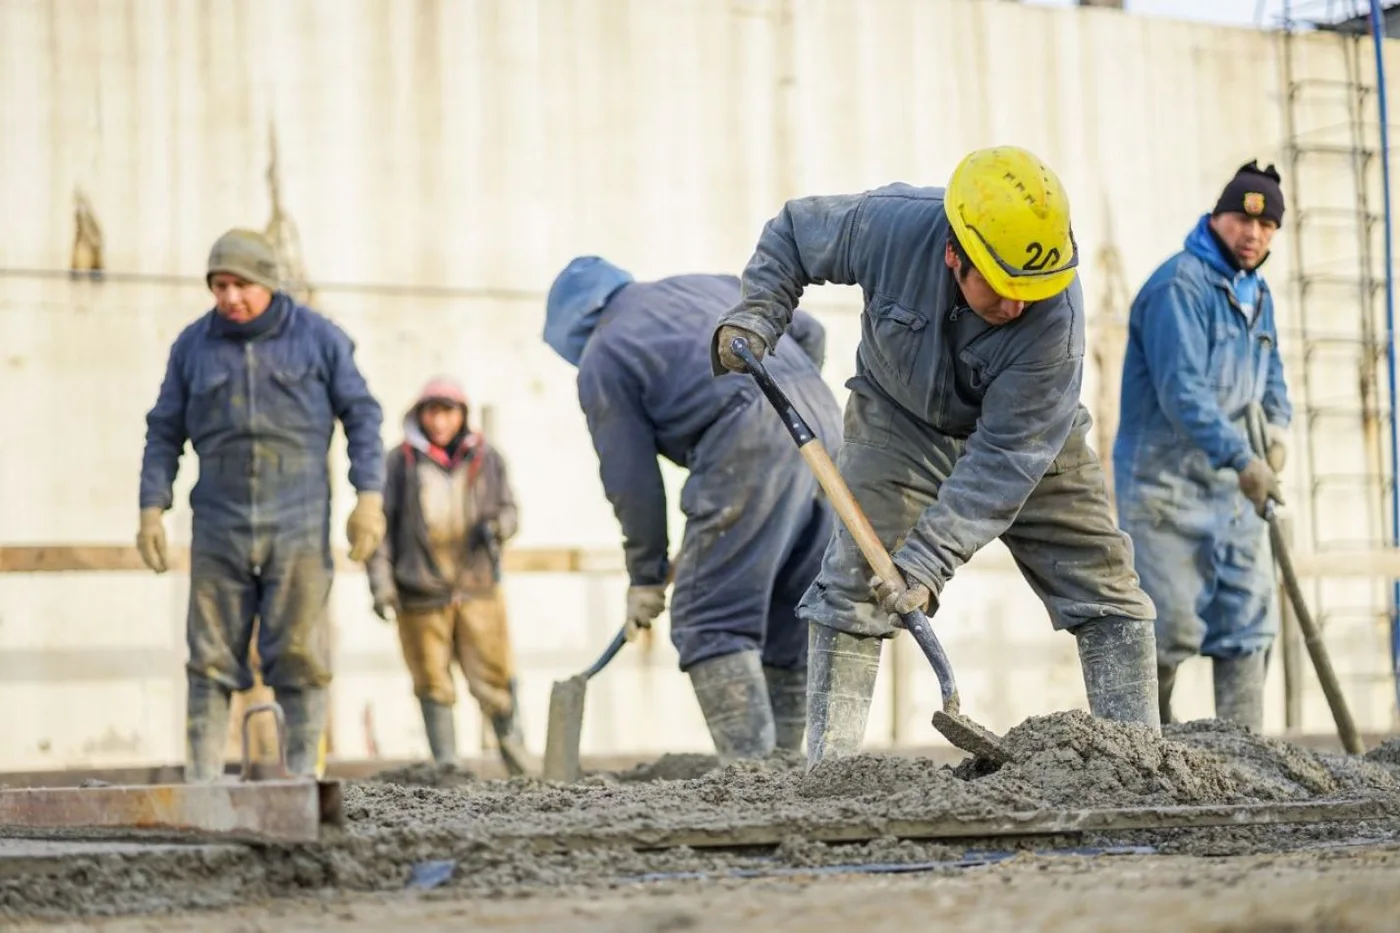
x=1378, y=41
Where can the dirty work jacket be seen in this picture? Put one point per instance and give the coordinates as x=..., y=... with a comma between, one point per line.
x=403, y=569
x=645, y=388
x=260, y=413
x=1012, y=391
x=1191, y=363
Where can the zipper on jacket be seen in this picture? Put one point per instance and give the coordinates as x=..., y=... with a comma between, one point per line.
x=252, y=360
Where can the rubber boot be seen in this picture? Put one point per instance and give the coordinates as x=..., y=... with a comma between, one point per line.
x=1166, y=680
x=305, y=712
x=1239, y=690
x=510, y=738
x=206, y=729
x=441, y=727
x=1119, y=659
x=733, y=697
x=841, y=671
x=787, y=696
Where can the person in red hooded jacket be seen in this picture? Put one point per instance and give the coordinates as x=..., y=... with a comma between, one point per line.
x=449, y=508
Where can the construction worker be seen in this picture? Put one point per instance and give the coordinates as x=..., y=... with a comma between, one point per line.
x=256, y=385
x=1188, y=483
x=450, y=507
x=755, y=526
x=963, y=423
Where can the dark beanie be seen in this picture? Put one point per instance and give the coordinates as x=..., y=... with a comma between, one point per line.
x=1254, y=192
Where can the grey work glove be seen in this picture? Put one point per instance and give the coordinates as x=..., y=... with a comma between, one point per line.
x=727, y=358
x=1259, y=483
x=1276, y=446
x=366, y=525
x=644, y=604
x=150, y=540
x=897, y=599
x=387, y=609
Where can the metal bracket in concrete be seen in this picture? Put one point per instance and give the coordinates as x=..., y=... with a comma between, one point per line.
x=286, y=811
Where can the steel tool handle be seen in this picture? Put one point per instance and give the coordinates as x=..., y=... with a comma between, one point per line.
x=814, y=452
x=608, y=654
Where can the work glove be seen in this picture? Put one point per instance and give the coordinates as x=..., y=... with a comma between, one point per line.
x=1276, y=446
x=150, y=540
x=486, y=533
x=365, y=529
x=644, y=604
x=727, y=358
x=896, y=598
x=1259, y=483
x=387, y=609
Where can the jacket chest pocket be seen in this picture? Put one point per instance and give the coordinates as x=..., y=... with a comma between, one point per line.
x=210, y=403
x=974, y=375
x=1228, y=356
x=299, y=395
x=896, y=336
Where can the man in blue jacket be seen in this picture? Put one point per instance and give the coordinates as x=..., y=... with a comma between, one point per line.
x=1188, y=482
x=755, y=524
x=256, y=385
x=963, y=423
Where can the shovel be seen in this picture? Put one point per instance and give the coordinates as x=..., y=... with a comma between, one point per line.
x=955, y=727
x=1312, y=637
x=561, y=762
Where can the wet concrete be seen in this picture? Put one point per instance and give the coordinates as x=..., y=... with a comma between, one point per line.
x=490, y=830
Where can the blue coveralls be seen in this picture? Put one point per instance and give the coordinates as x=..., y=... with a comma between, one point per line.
x=259, y=402
x=755, y=527
x=1188, y=378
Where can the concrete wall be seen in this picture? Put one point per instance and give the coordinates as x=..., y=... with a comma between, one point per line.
x=442, y=160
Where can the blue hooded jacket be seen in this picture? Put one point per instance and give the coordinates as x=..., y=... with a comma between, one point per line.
x=644, y=384
x=1191, y=363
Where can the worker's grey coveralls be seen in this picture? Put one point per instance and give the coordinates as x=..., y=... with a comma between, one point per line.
x=956, y=431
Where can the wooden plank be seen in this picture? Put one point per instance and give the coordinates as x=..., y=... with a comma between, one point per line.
x=68, y=558
x=263, y=811
x=1029, y=823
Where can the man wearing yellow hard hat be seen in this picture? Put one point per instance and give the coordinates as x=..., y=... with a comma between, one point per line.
x=963, y=422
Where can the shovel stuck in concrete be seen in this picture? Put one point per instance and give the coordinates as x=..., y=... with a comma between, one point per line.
x=955, y=727
x=565, y=730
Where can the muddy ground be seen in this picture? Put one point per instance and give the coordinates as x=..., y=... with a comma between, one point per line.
x=423, y=842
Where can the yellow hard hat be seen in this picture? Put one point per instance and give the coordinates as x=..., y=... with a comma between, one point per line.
x=1011, y=215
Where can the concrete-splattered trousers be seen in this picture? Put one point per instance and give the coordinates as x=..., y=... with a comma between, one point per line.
x=268, y=559
x=1064, y=540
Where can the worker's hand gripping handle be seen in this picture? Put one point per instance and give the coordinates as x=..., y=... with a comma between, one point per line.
x=814, y=452
x=1254, y=415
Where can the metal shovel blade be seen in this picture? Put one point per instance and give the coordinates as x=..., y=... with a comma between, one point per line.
x=972, y=738
x=565, y=731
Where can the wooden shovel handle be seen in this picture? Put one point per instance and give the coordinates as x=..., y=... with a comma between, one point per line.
x=852, y=516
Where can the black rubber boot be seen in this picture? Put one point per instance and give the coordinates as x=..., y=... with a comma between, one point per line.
x=510, y=738
x=1239, y=690
x=441, y=726
x=733, y=697
x=206, y=729
x=787, y=695
x=1166, y=681
x=305, y=712
x=1119, y=659
x=841, y=669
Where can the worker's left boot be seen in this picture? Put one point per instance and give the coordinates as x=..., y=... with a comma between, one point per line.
x=305, y=714
x=1239, y=690
x=787, y=696
x=733, y=696
x=842, y=669
x=206, y=729
x=1119, y=659
x=510, y=738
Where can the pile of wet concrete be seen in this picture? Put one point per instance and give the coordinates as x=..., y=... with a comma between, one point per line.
x=427, y=827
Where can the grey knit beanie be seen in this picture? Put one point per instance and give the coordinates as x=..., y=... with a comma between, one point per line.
x=246, y=254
